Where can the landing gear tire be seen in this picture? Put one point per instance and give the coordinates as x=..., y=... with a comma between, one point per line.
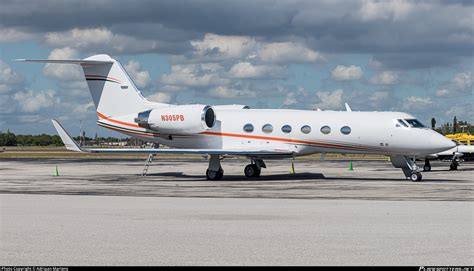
x=214, y=175
x=252, y=171
x=453, y=166
x=415, y=177
x=426, y=168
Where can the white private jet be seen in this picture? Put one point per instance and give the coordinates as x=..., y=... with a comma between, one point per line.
x=258, y=134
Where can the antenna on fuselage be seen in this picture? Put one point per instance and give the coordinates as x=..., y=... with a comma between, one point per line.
x=348, y=108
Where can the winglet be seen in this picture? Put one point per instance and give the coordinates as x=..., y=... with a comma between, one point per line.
x=66, y=138
x=348, y=108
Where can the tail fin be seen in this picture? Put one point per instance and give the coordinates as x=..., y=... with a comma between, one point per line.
x=112, y=89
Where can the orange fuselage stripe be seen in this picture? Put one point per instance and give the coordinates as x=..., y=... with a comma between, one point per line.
x=117, y=121
x=280, y=139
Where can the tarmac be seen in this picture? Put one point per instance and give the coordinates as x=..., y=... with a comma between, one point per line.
x=102, y=212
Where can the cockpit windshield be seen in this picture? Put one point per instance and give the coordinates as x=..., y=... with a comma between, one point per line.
x=402, y=123
x=415, y=123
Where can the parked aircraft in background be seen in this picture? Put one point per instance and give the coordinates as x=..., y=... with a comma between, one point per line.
x=237, y=130
x=456, y=154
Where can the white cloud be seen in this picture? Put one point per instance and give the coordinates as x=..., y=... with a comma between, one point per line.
x=225, y=92
x=287, y=52
x=417, y=104
x=394, y=10
x=248, y=70
x=298, y=98
x=100, y=39
x=140, y=77
x=8, y=77
x=460, y=84
x=347, y=73
x=32, y=101
x=384, y=78
x=13, y=35
x=216, y=47
x=195, y=75
x=160, y=97
x=80, y=38
x=463, y=111
x=329, y=100
x=224, y=46
x=63, y=72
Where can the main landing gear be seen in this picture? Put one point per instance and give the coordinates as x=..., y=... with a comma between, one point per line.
x=254, y=169
x=215, y=171
x=408, y=166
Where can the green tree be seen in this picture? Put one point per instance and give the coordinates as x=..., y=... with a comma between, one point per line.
x=433, y=123
x=455, y=125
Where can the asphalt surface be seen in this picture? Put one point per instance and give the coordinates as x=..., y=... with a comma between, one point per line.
x=370, y=180
x=112, y=230
x=102, y=212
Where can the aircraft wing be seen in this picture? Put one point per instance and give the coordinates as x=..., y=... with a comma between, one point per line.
x=73, y=146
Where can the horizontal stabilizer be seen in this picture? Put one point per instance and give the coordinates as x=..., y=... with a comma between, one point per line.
x=84, y=62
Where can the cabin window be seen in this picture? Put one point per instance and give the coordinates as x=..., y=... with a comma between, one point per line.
x=415, y=123
x=325, y=129
x=306, y=129
x=346, y=130
x=267, y=128
x=402, y=123
x=248, y=128
x=286, y=129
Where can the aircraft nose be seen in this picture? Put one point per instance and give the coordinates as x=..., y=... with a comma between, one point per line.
x=440, y=143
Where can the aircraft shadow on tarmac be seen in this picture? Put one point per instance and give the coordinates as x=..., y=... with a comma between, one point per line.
x=273, y=177
x=289, y=177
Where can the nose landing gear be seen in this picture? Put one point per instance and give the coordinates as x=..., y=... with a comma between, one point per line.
x=415, y=177
x=427, y=166
x=408, y=166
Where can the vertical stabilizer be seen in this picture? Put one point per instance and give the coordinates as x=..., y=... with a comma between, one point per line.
x=112, y=89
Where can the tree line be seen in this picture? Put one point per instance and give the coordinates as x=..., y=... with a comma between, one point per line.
x=454, y=127
x=11, y=139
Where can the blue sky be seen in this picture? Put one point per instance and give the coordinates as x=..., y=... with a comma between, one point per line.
x=411, y=56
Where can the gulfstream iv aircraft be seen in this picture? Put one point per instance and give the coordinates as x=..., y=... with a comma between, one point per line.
x=258, y=134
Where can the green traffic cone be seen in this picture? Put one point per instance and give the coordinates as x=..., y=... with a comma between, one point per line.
x=351, y=168
x=56, y=171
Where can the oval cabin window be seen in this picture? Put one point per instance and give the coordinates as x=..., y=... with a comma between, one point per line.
x=306, y=129
x=325, y=130
x=248, y=128
x=346, y=130
x=267, y=128
x=286, y=129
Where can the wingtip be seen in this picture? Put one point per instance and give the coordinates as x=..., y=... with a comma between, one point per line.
x=69, y=143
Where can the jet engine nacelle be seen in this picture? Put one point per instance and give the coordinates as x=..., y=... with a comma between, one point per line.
x=179, y=119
